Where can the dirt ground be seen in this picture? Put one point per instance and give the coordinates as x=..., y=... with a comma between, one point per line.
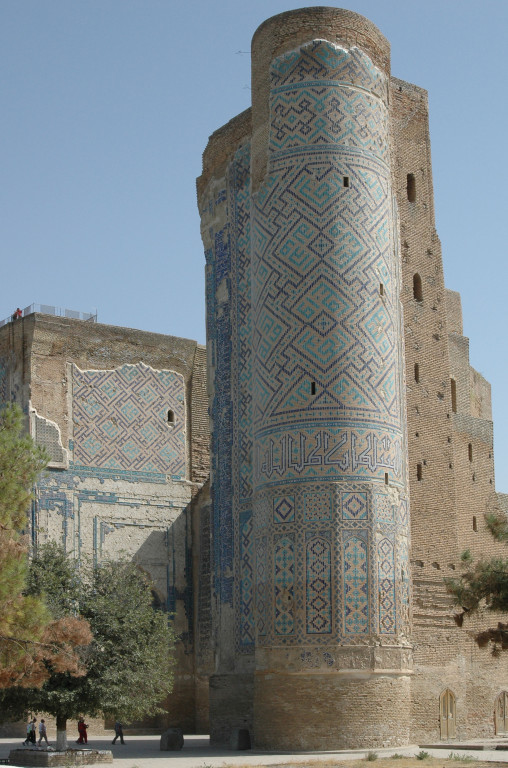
x=449, y=760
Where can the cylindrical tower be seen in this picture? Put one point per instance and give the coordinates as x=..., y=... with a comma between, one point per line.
x=330, y=493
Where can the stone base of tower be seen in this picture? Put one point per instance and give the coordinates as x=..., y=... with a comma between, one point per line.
x=230, y=706
x=322, y=711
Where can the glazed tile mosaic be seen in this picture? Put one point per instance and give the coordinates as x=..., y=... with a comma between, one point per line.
x=130, y=418
x=309, y=479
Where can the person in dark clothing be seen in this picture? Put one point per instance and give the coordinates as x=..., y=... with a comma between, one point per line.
x=82, y=726
x=118, y=732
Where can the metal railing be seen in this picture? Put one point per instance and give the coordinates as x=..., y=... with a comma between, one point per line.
x=47, y=309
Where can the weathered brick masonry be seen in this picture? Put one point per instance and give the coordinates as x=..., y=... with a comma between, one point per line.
x=300, y=489
x=291, y=198
x=123, y=415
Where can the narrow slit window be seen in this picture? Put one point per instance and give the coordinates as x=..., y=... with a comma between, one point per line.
x=470, y=451
x=346, y=181
x=386, y=478
x=453, y=386
x=313, y=387
x=417, y=287
x=381, y=289
x=475, y=523
x=171, y=417
x=419, y=474
x=417, y=373
x=411, y=187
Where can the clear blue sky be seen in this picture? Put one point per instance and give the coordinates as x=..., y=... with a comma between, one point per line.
x=106, y=107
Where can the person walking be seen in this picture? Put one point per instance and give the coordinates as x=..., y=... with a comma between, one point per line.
x=118, y=732
x=28, y=732
x=43, y=733
x=33, y=733
x=82, y=726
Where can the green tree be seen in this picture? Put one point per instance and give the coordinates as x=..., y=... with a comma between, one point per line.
x=129, y=663
x=28, y=635
x=484, y=583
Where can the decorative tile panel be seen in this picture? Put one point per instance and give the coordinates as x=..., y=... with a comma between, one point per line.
x=317, y=506
x=120, y=419
x=319, y=586
x=386, y=587
x=283, y=509
x=247, y=629
x=354, y=506
x=284, y=579
x=262, y=585
x=355, y=586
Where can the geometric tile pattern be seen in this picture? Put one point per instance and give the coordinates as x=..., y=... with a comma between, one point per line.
x=120, y=419
x=247, y=630
x=318, y=506
x=262, y=587
x=327, y=350
x=283, y=509
x=354, y=506
x=356, y=583
x=384, y=508
x=386, y=586
x=237, y=199
x=219, y=335
x=307, y=358
x=319, y=586
x=284, y=578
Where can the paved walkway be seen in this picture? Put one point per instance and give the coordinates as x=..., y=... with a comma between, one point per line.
x=144, y=752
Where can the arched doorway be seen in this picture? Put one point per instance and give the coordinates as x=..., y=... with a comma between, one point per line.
x=502, y=713
x=447, y=714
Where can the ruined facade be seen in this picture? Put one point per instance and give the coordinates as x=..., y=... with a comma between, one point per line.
x=351, y=447
x=346, y=419
x=123, y=416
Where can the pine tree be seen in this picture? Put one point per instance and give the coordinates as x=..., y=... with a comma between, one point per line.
x=485, y=584
x=29, y=637
x=131, y=652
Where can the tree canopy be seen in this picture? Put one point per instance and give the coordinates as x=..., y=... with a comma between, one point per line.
x=29, y=637
x=131, y=649
x=484, y=583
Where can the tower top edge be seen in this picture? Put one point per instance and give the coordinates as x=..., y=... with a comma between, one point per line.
x=337, y=25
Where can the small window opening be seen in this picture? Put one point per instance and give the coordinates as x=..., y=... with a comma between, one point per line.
x=313, y=387
x=474, y=478
x=417, y=373
x=470, y=451
x=386, y=478
x=381, y=289
x=417, y=434
x=411, y=187
x=171, y=417
x=450, y=466
x=417, y=287
x=453, y=385
x=418, y=471
x=346, y=181
x=475, y=524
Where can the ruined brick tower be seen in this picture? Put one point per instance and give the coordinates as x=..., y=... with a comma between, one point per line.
x=322, y=260
x=306, y=341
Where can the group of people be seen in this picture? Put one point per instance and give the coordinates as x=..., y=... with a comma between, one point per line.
x=31, y=732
